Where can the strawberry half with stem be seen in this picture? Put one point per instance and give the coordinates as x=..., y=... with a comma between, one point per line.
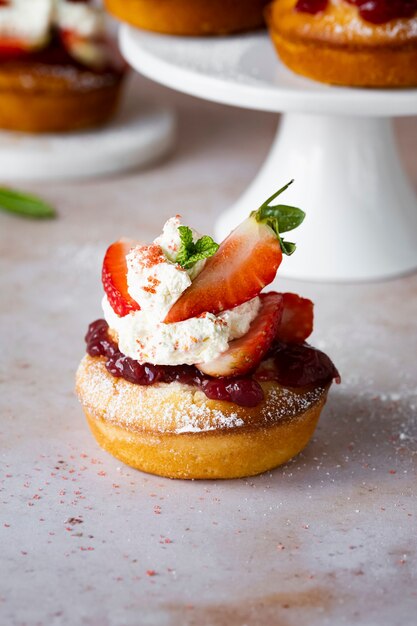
x=114, y=277
x=244, y=354
x=297, y=319
x=245, y=262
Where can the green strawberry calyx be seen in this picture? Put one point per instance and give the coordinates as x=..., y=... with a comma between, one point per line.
x=280, y=217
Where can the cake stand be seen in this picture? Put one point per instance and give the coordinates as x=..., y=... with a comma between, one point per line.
x=337, y=143
x=141, y=132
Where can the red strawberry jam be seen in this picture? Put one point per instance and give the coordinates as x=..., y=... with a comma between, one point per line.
x=298, y=365
x=98, y=341
x=241, y=391
x=294, y=365
x=121, y=366
x=374, y=11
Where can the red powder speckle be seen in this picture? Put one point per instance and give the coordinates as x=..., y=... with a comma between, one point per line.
x=150, y=255
x=151, y=572
x=153, y=284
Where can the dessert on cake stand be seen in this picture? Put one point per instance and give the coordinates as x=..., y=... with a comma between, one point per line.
x=337, y=143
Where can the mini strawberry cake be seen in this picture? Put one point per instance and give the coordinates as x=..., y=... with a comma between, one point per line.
x=195, y=372
x=362, y=43
x=58, y=70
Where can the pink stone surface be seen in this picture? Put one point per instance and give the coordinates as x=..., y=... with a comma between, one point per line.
x=330, y=538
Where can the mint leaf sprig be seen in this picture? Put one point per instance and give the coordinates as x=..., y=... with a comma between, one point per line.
x=281, y=218
x=26, y=205
x=190, y=252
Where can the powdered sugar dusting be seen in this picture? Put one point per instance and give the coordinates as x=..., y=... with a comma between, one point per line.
x=191, y=421
x=84, y=80
x=177, y=408
x=288, y=404
x=180, y=408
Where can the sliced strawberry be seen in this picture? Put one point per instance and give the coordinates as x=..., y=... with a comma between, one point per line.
x=245, y=353
x=297, y=319
x=244, y=263
x=114, y=277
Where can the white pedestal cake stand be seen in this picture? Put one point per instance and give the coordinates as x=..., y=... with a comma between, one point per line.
x=140, y=133
x=337, y=143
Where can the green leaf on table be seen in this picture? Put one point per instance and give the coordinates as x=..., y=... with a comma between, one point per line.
x=26, y=205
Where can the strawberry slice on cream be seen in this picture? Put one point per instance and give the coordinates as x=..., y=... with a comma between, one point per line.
x=114, y=277
x=244, y=264
x=244, y=354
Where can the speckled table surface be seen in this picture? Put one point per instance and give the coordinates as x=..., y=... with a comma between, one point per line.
x=331, y=538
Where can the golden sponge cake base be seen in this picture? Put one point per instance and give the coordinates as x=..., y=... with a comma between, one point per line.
x=45, y=99
x=190, y=17
x=174, y=430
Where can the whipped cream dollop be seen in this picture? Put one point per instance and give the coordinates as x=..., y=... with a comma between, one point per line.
x=26, y=20
x=31, y=21
x=156, y=282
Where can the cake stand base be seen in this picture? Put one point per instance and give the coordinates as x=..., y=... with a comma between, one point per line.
x=361, y=212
